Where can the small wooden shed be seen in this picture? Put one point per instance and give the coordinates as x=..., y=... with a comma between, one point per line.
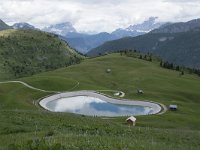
x=108, y=70
x=173, y=107
x=131, y=121
x=139, y=91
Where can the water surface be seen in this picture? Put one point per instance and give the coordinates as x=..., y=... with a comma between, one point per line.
x=92, y=106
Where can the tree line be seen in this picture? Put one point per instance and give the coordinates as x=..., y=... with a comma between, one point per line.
x=168, y=65
x=163, y=64
x=150, y=57
x=137, y=54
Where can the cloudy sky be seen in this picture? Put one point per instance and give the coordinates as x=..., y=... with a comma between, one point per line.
x=97, y=15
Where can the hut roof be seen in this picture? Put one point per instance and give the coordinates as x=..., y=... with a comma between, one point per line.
x=140, y=91
x=131, y=118
x=173, y=106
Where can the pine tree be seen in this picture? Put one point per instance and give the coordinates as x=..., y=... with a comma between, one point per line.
x=150, y=59
x=177, y=68
x=161, y=64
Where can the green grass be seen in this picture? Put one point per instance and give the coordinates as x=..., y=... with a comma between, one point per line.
x=22, y=120
x=28, y=52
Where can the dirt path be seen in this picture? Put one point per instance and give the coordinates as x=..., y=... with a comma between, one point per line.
x=37, y=89
x=47, y=91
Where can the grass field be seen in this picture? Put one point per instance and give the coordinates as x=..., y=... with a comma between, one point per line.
x=25, y=124
x=28, y=52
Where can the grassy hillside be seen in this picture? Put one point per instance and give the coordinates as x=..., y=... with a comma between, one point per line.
x=25, y=124
x=26, y=52
x=179, y=48
x=129, y=43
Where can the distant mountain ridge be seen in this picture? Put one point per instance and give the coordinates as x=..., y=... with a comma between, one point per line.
x=4, y=26
x=20, y=25
x=61, y=29
x=85, y=42
x=182, y=48
x=23, y=25
x=146, y=26
x=178, y=27
x=138, y=29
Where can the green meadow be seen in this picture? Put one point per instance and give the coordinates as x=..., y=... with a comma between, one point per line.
x=28, y=52
x=25, y=125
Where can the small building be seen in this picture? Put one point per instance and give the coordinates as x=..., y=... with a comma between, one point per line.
x=108, y=70
x=131, y=121
x=117, y=94
x=140, y=91
x=173, y=107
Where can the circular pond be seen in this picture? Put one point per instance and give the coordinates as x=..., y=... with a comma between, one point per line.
x=94, y=104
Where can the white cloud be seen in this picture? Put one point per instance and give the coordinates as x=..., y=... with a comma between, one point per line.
x=96, y=15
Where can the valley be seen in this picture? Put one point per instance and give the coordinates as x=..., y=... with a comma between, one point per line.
x=99, y=75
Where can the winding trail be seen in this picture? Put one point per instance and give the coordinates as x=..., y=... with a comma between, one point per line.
x=46, y=91
x=37, y=89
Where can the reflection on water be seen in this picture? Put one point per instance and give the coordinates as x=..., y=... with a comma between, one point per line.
x=95, y=107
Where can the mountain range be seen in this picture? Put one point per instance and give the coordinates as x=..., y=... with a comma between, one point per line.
x=178, y=27
x=61, y=29
x=85, y=42
x=177, y=43
x=23, y=25
x=138, y=29
x=173, y=42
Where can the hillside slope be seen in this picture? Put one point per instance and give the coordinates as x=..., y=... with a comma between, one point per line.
x=26, y=52
x=23, y=122
x=179, y=48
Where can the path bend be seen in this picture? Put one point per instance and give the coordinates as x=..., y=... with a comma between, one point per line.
x=37, y=89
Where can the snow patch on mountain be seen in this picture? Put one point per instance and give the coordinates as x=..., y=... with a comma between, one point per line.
x=139, y=29
x=146, y=26
x=61, y=29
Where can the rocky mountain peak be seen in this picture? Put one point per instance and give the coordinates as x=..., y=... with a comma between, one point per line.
x=60, y=29
x=23, y=25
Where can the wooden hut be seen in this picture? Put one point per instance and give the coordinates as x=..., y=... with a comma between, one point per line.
x=140, y=91
x=173, y=107
x=108, y=70
x=131, y=121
